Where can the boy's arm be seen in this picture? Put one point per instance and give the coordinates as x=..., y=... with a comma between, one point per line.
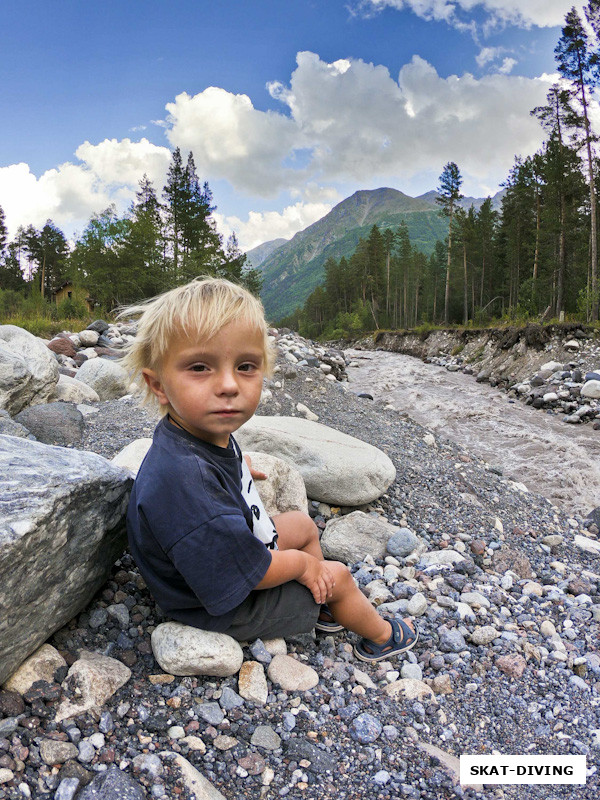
x=296, y=565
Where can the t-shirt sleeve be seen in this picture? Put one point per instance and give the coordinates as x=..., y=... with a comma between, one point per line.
x=221, y=561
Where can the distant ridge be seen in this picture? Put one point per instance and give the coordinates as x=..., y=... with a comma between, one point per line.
x=295, y=268
x=258, y=254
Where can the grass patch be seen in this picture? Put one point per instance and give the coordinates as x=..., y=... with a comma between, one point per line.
x=46, y=327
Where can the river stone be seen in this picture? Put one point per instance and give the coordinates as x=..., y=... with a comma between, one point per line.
x=591, y=389
x=28, y=370
x=53, y=423
x=484, y=635
x=107, y=378
x=512, y=665
x=252, y=684
x=88, y=338
x=92, y=680
x=587, y=545
x=337, y=469
x=113, y=785
x=507, y=559
x=352, y=537
x=265, y=737
x=365, y=728
x=40, y=666
x=56, y=752
x=71, y=390
x=320, y=760
x=402, y=543
x=551, y=366
x=292, y=675
x=183, y=650
x=63, y=346
x=62, y=529
x=283, y=490
x=196, y=784
x=408, y=689
x=9, y=427
x=417, y=605
x=441, y=557
x=452, y=641
x=132, y=455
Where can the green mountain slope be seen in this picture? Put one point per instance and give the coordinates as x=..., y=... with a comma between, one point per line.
x=295, y=268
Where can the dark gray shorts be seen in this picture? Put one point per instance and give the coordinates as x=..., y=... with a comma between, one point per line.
x=272, y=613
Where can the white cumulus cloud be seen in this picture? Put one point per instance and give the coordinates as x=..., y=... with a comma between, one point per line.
x=363, y=124
x=233, y=140
x=525, y=13
x=69, y=194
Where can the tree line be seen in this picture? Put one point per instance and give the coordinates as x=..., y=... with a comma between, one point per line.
x=537, y=256
x=156, y=245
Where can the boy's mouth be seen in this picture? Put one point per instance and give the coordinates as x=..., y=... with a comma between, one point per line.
x=226, y=412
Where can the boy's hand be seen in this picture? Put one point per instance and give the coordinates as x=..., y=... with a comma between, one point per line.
x=255, y=474
x=318, y=578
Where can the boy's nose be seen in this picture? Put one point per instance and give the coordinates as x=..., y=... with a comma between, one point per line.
x=227, y=383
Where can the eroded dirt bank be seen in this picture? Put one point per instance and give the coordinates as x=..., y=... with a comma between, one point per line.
x=501, y=355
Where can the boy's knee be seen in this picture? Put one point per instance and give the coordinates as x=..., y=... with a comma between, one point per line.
x=307, y=524
x=341, y=573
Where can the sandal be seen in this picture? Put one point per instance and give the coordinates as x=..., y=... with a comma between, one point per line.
x=326, y=622
x=403, y=638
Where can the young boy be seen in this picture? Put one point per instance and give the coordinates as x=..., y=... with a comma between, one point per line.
x=202, y=350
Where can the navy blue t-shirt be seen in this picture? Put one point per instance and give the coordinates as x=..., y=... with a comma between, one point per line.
x=190, y=529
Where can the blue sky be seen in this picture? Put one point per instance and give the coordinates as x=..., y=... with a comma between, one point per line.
x=288, y=105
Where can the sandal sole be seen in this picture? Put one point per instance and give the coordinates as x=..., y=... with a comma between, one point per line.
x=324, y=627
x=384, y=656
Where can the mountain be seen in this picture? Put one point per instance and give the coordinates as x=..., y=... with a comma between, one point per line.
x=257, y=255
x=295, y=268
x=467, y=202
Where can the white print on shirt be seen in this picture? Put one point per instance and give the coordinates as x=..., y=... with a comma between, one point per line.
x=263, y=527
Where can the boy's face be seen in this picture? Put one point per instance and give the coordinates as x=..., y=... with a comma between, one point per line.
x=211, y=388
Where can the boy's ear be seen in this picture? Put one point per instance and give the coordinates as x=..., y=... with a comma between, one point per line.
x=154, y=383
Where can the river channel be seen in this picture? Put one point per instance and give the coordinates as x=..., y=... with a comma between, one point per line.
x=538, y=449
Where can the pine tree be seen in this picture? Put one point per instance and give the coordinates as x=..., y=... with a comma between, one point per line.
x=575, y=64
x=143, y=244
x=48, y=250
x=449, y=195
x=3, y=232
x=175, y=195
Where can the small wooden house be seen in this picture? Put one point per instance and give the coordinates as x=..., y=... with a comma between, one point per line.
x=70, y=292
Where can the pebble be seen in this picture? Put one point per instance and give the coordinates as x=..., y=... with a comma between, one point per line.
x=265, y=737
x=365, y=728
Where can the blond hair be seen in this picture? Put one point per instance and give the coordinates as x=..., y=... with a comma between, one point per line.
x=197, y=311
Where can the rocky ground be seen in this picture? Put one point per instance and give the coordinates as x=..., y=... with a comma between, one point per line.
x=508, y=660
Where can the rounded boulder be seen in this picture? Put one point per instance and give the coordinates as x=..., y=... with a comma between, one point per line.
x=107, y=379
x=337, y=469
x=183, y=650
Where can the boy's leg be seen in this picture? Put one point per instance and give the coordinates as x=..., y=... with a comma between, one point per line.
x=297, y=531
x=349, y=606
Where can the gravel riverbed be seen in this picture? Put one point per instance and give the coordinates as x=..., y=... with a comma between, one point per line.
x=509, y=646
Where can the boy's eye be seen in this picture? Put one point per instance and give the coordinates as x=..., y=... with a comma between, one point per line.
x=198, y=368
x=247, y=367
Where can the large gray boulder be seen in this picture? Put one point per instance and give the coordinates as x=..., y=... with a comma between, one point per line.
x=107, y=378
x=28, y=370
x=61, y=530
x=352, y=537
x=53, y=423
x=336, y=468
